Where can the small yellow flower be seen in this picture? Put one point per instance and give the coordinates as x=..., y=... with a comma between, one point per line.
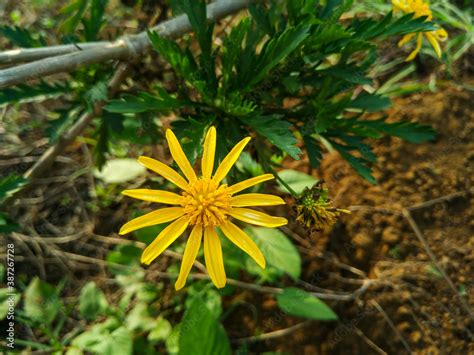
x=205, y=204
x=419, y=8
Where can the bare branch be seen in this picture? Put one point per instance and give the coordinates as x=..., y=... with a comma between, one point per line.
x=22, y=55
x=271, y=335
x=127, y=47
x=392, y=325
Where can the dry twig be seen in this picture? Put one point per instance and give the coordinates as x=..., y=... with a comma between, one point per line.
x=271, y=335
x=394, y=328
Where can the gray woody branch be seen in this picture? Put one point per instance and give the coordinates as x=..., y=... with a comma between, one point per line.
x=171, y=28
x=128, y=47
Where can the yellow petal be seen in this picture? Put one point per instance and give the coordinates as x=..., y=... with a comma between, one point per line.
x=190, y=253
x=162, y=215
x=179, y=156
x=164, y=170
x=213, y=257
x=441, y=34
x=159, y=196
x=207, y=162
x=229, y=160
x=249, y=182
x=417, y=49
x=256, y=200
x=434, y=43
x=257, y=218
x=243, y=241
x=407, y=38
x=164, y=239
x=396, y=6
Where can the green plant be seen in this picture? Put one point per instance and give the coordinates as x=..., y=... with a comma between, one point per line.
x=302, y=77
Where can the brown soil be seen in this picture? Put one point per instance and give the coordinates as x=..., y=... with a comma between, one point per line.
x=410, y=307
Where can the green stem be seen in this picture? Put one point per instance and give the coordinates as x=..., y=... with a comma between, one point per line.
x=269, y=168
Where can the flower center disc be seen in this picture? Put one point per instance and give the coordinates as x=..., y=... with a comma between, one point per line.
x=206, y=202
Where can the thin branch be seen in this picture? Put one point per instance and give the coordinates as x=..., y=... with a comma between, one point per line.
x=70, y=135
x=271, y=335
x=392, y=325
x=440, y=199
x=23, y=55
x=440, y=268
x=369, y=342
x=125, y=48
x=249, y=286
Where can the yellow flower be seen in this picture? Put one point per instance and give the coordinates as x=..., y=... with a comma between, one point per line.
x=419, y=8
x=204, y=204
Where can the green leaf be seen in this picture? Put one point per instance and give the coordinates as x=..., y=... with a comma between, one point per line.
x=297, y=180
x=201, y=333
x=173, y=340
x=161, y=331
x=331, y=8
x=182, y=62
x=7, y=225
x=191, y=134
x=10, y=184
x=235, y=105
x=299, y=303
x=261, y=18
x=74, y=351
x=21, y=37
x=102, y=146
x=249, y=166
x=350, y=73
x=277, y=49
x=278, y=250
x=120, y=170
x=207, y=295
x=8, y=300
x=94, y=23
x=232, y=49
x=97, y=92
x=370, y=102
x=196, y=12
x=28, y=93
x=92, y=301
x=124, y=255
x=148, y=234
x=139, y=318
x=3, y=274
x=408, y=24
x=277, y=131
x=387, y=27
x=110, y=123
x=314, y=151
x=145, y=102
x=413, y=132
x=66, y=117
x=41, y=302
x=361, y=165
x=75, y=10
x=106, y=339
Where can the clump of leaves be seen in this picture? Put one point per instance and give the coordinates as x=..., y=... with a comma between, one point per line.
x=293, y=72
